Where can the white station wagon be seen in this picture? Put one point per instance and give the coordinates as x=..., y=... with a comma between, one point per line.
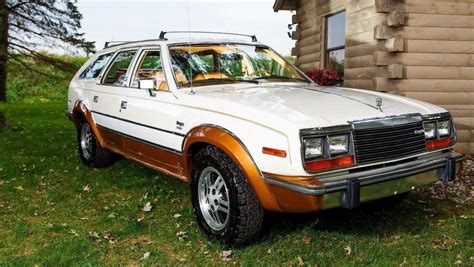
x=251, y=133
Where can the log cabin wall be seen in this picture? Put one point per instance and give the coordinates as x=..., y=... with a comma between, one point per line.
x=436, y=56
x=419, y=49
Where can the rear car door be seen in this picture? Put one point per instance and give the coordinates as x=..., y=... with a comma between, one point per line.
x=108, y=99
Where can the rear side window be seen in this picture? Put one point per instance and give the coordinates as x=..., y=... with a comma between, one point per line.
x=117, y=73
x=93, y=70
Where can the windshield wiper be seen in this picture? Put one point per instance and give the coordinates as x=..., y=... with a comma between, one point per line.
x=278, y=77
x=237, y=80
x=225, y=80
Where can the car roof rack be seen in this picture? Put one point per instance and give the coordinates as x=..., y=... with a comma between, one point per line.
x=115, y=43
x=163, y=33
x=109, y=44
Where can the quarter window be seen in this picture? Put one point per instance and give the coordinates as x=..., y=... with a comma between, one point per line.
x=335, y=42
x=117, y=73
x=93, y=70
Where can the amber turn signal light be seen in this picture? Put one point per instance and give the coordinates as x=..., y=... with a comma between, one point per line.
x=437, y=144
x=274, y=152
x=329, y=163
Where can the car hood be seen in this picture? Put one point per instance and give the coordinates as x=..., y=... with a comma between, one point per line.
x=305, y=106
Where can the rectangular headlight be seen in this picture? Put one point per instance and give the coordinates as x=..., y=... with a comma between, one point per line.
x=339, y=144
x=430, y=130
x=444, y=128
x=313, y=148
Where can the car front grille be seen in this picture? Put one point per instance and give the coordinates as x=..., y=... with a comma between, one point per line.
x=389, y=142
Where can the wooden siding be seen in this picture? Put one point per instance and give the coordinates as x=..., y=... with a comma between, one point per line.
x=419, y=49
x=437, y=59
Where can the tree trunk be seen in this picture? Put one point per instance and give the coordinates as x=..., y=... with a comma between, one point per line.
x=3, y=50
x=3, y=58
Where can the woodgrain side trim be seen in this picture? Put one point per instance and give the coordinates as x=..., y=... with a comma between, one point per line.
x=150, y=155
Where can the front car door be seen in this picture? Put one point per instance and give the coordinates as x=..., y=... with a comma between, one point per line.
x=153, y=132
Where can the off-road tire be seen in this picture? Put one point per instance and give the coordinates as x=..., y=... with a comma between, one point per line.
x=246, y=216
x=99, y=157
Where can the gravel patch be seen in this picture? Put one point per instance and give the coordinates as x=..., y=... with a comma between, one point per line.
x=461, y=190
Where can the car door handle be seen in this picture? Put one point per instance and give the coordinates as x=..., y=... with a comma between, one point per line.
x=123, y=105
x=96, y=99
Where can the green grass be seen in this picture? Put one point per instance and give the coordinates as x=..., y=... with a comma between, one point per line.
x=47, y=218
x=28, y=86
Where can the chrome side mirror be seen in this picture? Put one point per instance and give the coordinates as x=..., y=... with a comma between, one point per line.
x=148, y=84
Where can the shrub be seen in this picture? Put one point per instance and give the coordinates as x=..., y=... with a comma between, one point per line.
x=325, y=77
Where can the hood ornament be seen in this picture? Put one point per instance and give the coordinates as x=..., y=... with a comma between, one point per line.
x=379, y=103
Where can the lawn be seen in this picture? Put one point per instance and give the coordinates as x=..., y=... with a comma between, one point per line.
x=54, y=211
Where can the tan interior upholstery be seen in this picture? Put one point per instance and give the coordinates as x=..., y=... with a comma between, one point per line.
x=210, y=75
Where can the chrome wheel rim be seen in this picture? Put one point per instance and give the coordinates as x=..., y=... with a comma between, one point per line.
x=86, y=139
x=213, y=196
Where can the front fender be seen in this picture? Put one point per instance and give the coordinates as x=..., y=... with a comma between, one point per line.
x=232, y=146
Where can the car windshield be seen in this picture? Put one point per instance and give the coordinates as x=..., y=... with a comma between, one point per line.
x=210, y=64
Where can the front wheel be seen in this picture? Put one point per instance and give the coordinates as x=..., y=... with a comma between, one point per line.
x=224, y=203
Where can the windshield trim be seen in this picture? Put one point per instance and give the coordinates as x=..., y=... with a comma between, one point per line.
x=169, y=46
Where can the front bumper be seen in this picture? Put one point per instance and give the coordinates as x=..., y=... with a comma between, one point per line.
x=351, y=187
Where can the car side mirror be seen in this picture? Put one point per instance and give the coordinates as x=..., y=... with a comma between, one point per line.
x=148, y=84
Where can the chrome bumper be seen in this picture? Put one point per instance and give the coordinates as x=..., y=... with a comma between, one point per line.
x=348, y=189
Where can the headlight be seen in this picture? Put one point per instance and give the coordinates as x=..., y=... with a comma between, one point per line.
x=430, y=130
x=338, y=144
x=444, y=128
x=313, y=148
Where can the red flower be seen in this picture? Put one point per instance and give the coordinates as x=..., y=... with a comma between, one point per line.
x=325, y=77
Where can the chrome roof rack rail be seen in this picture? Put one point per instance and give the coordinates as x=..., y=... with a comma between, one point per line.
x=115, y=43
x=163, y=33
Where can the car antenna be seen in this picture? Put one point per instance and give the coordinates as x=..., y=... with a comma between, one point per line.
x=190, y=50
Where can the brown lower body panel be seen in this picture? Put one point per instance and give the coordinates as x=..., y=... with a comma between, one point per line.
x=168, y=162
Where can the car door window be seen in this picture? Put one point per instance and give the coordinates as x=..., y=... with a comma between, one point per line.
x=117, y=72
x=93, y=70
x=150, y=67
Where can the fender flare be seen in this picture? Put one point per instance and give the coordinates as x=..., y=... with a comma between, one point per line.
x=82, y=112
x=232, y=146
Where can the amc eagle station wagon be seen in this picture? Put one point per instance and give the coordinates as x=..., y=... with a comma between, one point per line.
x=251, y=133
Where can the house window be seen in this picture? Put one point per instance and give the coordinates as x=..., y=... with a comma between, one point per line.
x=335, y=42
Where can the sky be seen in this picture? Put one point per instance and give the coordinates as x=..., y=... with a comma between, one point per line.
x=108, y=20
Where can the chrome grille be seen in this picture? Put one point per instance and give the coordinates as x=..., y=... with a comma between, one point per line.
x=389, y=142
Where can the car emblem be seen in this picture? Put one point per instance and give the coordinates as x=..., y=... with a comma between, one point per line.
x=379, y=103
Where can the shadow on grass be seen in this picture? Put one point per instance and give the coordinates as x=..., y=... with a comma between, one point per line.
x=370, y=219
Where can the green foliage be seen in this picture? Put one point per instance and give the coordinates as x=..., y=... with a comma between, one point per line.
x=48, y=217
x=39, y=82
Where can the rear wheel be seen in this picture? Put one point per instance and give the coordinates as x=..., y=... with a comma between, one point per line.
x=91, y=152
x=224, y=203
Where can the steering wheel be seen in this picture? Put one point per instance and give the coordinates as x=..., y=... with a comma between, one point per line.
x=255, y=73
